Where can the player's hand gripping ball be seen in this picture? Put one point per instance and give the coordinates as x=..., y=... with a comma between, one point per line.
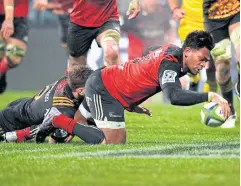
x=211, y=115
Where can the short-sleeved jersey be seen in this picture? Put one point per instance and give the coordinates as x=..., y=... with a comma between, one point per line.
x=193, y=18
x=94, y=13
x=220, y=9
x=133, y=82
x=58, y=95
x=20, y=8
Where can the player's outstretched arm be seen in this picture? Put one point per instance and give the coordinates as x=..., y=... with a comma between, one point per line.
x=178, y=96
x=169, y=74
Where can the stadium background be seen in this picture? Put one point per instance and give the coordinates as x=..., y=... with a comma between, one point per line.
x=46, y=60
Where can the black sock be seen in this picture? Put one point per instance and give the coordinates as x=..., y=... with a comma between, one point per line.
x=227, y=93
x=90, y=134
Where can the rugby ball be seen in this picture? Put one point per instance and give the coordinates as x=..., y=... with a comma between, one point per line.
x=211, y=115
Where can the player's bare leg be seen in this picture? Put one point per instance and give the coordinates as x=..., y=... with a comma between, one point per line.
x=109, y=41
x=222, y=58
x=112, y=136
x=3, y=83
x=15, y=50
x=234, y=32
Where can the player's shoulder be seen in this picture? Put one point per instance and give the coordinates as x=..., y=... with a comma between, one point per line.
x=62, y=89
x=63, y=95
x=172, y=53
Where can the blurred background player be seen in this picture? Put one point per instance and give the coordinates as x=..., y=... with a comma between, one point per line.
x=13, y=36
x=222, y=19
x=66, y=94
x=94, y=19
x=62, y=9
x=149, y=28
x=190, y=15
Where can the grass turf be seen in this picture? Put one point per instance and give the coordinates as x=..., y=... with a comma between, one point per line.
x=171, y=148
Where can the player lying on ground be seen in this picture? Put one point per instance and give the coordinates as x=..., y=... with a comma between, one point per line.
x=26, y=113
x=111, y=90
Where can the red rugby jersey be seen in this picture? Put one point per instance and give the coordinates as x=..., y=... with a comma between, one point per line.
x=94, y=13
x=20, y=8
x=133, y=82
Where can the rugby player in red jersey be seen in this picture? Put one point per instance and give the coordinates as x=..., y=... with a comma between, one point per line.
x=108, y=92
x=94, y=19
x=13, y=36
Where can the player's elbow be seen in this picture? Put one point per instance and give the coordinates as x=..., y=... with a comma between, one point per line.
x=173, y=97
x=174, y=101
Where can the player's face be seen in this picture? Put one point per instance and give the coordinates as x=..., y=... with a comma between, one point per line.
x=79, y=93
x=196, y=59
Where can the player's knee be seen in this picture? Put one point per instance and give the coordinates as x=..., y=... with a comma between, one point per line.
x=222, y=50
x=111, y=54
x=223, y=68
x=109, y=42
x=2, y=48
x=14, y=54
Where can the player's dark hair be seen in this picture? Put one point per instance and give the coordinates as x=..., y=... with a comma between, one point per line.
x=199, y=39
x=78, y=76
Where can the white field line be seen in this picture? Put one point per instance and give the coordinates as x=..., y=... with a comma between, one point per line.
x=156, y=152
x=39, y=149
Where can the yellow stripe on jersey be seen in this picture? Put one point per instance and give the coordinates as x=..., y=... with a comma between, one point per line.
x=63, y=104
x=62, y=101
x=62, y=98
x=193, y=18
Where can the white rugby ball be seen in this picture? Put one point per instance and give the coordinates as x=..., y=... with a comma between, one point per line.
x=211, y=115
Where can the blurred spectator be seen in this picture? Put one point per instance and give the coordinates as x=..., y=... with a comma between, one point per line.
x=153, y=26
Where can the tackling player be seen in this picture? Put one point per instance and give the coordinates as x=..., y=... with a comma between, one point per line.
x=108, y=92
x=66, y=94
x=13, y=36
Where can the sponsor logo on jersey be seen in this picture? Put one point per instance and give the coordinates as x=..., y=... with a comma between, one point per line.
x=169, y=76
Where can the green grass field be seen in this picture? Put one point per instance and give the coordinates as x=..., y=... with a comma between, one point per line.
x=171, y=148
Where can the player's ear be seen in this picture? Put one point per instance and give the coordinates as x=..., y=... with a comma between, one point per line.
x=186, y=52
x=81, y=91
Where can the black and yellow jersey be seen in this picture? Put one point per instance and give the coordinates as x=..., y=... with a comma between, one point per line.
x=57, y=94
x=220, y=9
